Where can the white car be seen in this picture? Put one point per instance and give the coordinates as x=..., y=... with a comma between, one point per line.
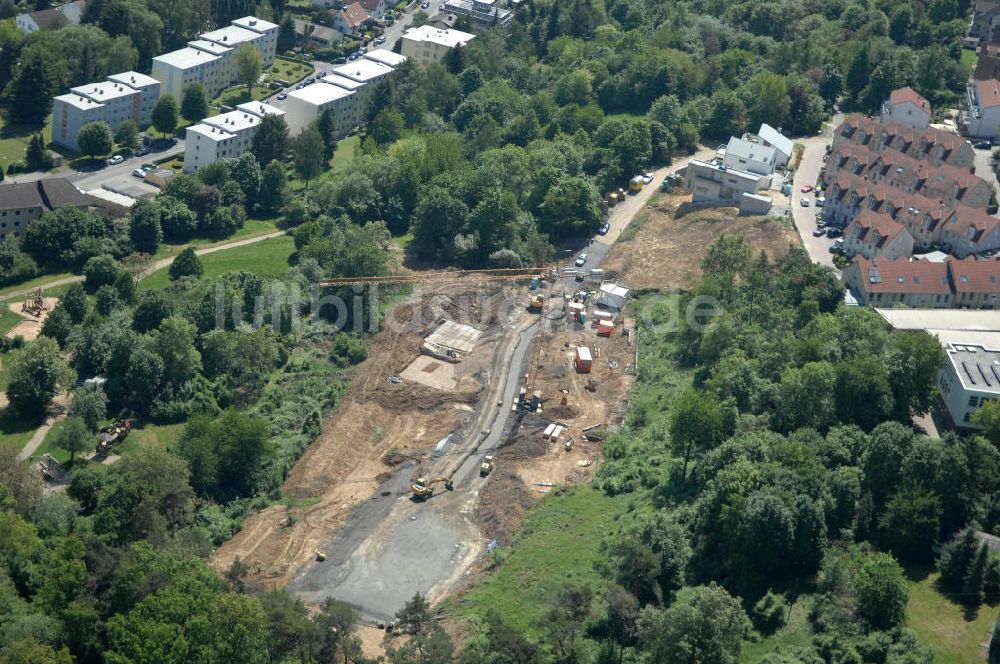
x=805, y=202
x=139, y=173
x=820, y=201
x=581, y=259
x=117, y=159
x=647, y=178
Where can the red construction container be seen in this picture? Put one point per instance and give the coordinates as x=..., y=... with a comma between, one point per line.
x=605, y=328
x=584, y=360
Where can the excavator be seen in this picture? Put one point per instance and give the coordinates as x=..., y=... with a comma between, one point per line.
x=423, y=488
x=536, y=303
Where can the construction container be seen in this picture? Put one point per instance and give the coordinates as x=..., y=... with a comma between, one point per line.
x=605, y=328
x=601, y=314
x=575, y=310
x=582, y=317
x=534, y=283
x=584, y=360
x=548, y=430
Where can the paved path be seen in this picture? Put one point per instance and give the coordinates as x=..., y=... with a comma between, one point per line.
x=36, y=439
x=808, y=173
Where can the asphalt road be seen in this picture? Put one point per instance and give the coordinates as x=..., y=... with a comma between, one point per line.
x=808, y=174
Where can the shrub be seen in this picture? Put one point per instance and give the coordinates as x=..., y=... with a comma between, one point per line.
x=770, y=613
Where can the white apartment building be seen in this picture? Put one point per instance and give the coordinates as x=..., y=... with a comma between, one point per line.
x=125, y=96
x=385, y=57
x=428, y=44
x=744, y=155
x=226, y=135
x=981, y=116
x=210, y=59
x=712, y=182
x=365, y=71
x=905, y=106
x=303, y=106
x=969, y=379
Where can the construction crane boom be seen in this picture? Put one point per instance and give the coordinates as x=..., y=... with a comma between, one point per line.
x=441, y=276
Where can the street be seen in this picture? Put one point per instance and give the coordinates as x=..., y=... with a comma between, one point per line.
x=808, y=173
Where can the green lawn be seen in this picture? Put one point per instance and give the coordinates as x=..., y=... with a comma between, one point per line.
x=281, y=69
x=14, y=141
x=14, y=431
x=559, y=541
x=268, y=258
x=968, y=59
x=796, y=632
x=32, y=283
x=341, y=158
x=8, y=319
x=143, y=436
x=251, y=228
x=951, y=629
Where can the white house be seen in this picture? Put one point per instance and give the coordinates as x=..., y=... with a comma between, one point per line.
x=385, y=57
x=981, y=117
x=781, y=143
x=374, y=8
x=51, y=18
x=303, y=106
x=969, y=379
x=906, y=107
x=226, y=135
x=149, y=92
x=365, y=71
x=428, y=44
x=125, y=96
x=745, y=155
x=712, y=182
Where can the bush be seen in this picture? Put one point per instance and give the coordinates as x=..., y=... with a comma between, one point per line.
x=347, y=350
x=770, y=613
x=100, y=271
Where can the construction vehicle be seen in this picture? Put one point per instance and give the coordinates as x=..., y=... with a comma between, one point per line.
x=111, y=434
x=486, y=467
x=635, y=184
x=320, y=556
x=536, y=304
x=423, y=488
x=34, y=305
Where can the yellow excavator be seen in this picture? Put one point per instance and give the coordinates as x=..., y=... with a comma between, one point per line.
x=536, y=303
x=424, y=488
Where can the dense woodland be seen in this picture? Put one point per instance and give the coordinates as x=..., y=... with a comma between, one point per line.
x=780, y=466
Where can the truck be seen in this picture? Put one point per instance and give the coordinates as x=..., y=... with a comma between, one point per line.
x=486, y=467
x=635, y=184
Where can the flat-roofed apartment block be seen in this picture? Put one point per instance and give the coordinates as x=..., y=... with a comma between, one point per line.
x=366, y=71
x=427, y=44
x=303, y=106
x=125, y=96
x=224, y=136
x=746, y=155
x=210, y=59
x=969, y=379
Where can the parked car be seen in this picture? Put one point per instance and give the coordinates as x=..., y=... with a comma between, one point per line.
x=379, y=41
x=819, y=232
x=425, y=4
x=836, y=246
x=820, y=201
x=321, y=74
x=806, y=188
x=300, y=86
x=139, y=173
x=834, y=232
x=354, y=56
x=603, y=230
x=581, y=259
x=363, y=50
x=142, y=151
x=982, y=145
x=805, y=202
x=340, y=61
x=647, y=178
x=117, y=159
x=283, y=96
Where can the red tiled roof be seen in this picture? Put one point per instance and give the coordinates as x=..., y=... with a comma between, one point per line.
x=903, y=276
x=370, y=5
x=869, y=220
x=354, y=15
x=988, y=92
x=909, y=94
x=971, y=275
x=965, y=216
x=934, y=136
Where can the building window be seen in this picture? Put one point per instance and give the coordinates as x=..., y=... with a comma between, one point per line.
x=973, y=401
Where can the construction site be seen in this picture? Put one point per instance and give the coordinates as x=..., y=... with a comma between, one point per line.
x=478, y=396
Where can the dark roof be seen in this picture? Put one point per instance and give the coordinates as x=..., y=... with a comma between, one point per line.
x=49, y=194
x=48, y=18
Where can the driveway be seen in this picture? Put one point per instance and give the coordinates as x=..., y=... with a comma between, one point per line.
x=984, y=168
x=807, y=174
x=94, y=177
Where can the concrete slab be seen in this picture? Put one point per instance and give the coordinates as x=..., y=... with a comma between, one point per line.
x=456, y=336
x=431, y=372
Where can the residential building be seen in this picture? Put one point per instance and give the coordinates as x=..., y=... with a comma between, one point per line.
x=877, y=236
x=428, y=44
x=981, y=116
x=365, y=71
x=969, y=379
x=226, y=135
x=906, y=107
x=713, y=182
x=746, y=155
x=988, y=63
x=385, y=57
x=932, y=145
x=976, y=282
x=899, y=283
x=210, y=59
x=125, y=96
x=985, y=19
x=484, y=13
x=943, y=182
x=374, y=8
x=319, y=34
x=23, y=203
x=51, y=18
x=969, y=231
x=351, y=19
x=303, y=106
x=781, y=143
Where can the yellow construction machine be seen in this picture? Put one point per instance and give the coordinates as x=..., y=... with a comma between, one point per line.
x=537, y=302
x=424, y=488
x=486, y=467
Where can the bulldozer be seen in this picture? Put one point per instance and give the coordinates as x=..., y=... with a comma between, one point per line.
x=486, y=467
x=536, y=303
x=111, y=434
x=423, y=488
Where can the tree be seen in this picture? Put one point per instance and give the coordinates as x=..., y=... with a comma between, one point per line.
x=862, y=392
x=58, y=326
x=73, y=436
x=36, y=374
x=99, y=271
x=154, y=306
x=225, y=453
x=307, y=153
x=697, y=423
x=74, y=302
x=37, y=157
x=910, y=523
x=271, y=141
x=273, y=189
x=144, y=226
x=882, y=591
x=90, y=404
x=186, y=264
x=286, y=34
x=174, y=343
x=326, y=124
x=95, y=138
x=177, y=220
x=248, y=65
x=165, y=115
x=194, y=106
x=386, y=127
x=427, y=643
x=30, y=92
x=127, y=135
x=107, y=299
x=705, y=624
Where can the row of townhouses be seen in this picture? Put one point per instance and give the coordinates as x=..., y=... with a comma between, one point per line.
x=949, y=284
x=209, y=61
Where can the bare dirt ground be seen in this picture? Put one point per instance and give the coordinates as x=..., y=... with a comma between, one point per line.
x=666, y=252
x=345, y=465
x=31, y=326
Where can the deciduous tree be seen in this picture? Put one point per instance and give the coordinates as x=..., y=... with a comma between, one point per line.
x=95, y=138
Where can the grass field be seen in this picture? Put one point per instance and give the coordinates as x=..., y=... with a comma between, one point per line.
x=268, y=258
x=14, y=431
x=556, y=544
x=8, y=319
x=14, y=141
x=342, y=157
x=143, y=436
x=251, y=228
x=796, y=632
x=968, y=59
x=951, y=629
